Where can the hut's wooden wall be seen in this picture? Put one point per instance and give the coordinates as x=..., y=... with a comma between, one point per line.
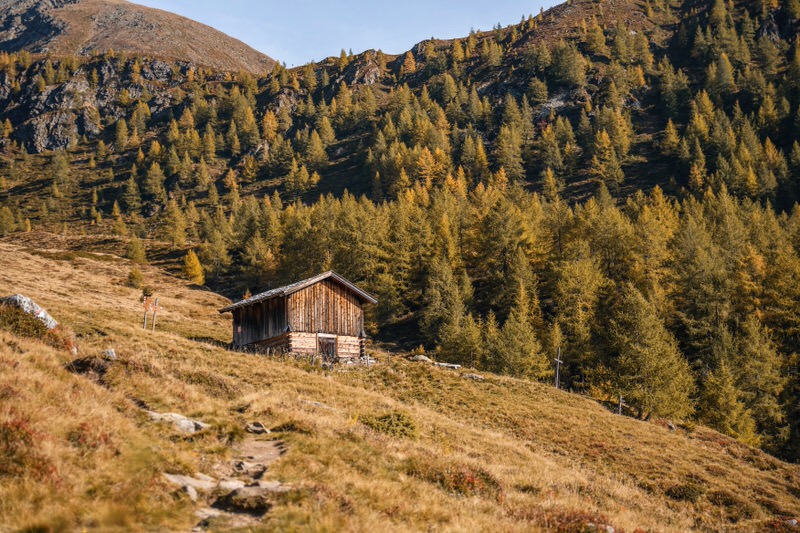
x=260, y=321
x=326, y=307
x=306, y=344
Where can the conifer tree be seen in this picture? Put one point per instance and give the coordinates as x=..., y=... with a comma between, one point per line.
x=326, y=132
x=652, y=375
x=192, y=268
x=174, y=225
x=409, y=65
x=153, y=185
x=315, y=155
x=605, y=165
x=509, y=152
x=722, y=408
x=520, y=351
x=121, y=135
x=136, y=251
x=669, y=139
x=131, y=197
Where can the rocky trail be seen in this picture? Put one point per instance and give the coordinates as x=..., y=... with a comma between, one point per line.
x=240, y=495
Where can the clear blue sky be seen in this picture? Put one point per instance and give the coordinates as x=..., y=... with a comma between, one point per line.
x=299, y=31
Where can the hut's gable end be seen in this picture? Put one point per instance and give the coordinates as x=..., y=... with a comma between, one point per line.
x=326, y=307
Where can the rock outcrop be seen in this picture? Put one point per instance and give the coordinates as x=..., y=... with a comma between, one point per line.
x=32, y=308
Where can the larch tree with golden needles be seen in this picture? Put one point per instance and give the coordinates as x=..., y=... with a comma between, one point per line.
x=192, y=269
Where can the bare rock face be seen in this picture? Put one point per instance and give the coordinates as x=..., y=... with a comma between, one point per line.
x=26, y=24
x=363, y=71
x=50, y=131
x=63, y=113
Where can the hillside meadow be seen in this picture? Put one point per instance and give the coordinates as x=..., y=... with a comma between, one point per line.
x=397, y=446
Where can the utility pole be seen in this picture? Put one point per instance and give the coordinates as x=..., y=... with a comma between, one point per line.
x=559, y=362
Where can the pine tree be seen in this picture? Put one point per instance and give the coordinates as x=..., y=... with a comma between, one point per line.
x=442, y=303
x=131, y=197
x=651, y=373
x=7, y=222
x=153, y=185
x=669, y=139
x=209, y=143
x=232, y=140
x=136, y=251
x=409, y=65
x=722, y=408
x=316, y=157
x=519, y=351
x=174, y=225
x=509, y=152
x=605, y=164
x=759, y=377
x=537, y=91
x=192, y=268
x=121, y=135
x=326, y=132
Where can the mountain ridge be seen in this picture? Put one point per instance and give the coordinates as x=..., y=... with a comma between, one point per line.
x=85, y=27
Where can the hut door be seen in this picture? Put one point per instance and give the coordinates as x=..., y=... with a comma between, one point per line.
x=327, y=347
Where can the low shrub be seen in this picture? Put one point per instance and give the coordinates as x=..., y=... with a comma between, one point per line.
x=395, y=424
x=19, y=452
x=456, y=478
x=294, y=426
x=22, y=324
x=686, y=492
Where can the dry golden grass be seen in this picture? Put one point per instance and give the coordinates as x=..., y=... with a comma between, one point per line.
x=455, y=454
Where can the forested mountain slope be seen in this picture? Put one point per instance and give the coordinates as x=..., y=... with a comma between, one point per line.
x=616, y=180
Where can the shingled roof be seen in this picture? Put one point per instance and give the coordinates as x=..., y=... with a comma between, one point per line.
x=300, y=285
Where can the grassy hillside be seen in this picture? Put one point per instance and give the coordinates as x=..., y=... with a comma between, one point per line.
x=455, y=453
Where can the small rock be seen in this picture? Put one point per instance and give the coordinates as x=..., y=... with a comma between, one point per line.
x=792, y=522
x=251, y=470
x=230, y=485
x=273, y=486
x=474, y=377
x=671, y=426
x=189, y=481
x=317, y=404
x=448, y=366
x=600, y=527
x=420, y=359
x=190, y=491
x=207, y=512
x=250, y=500
x=256, y=427
x=180, y=422
x=110, y=355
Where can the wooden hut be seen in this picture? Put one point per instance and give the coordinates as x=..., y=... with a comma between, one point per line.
x=322, y=315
